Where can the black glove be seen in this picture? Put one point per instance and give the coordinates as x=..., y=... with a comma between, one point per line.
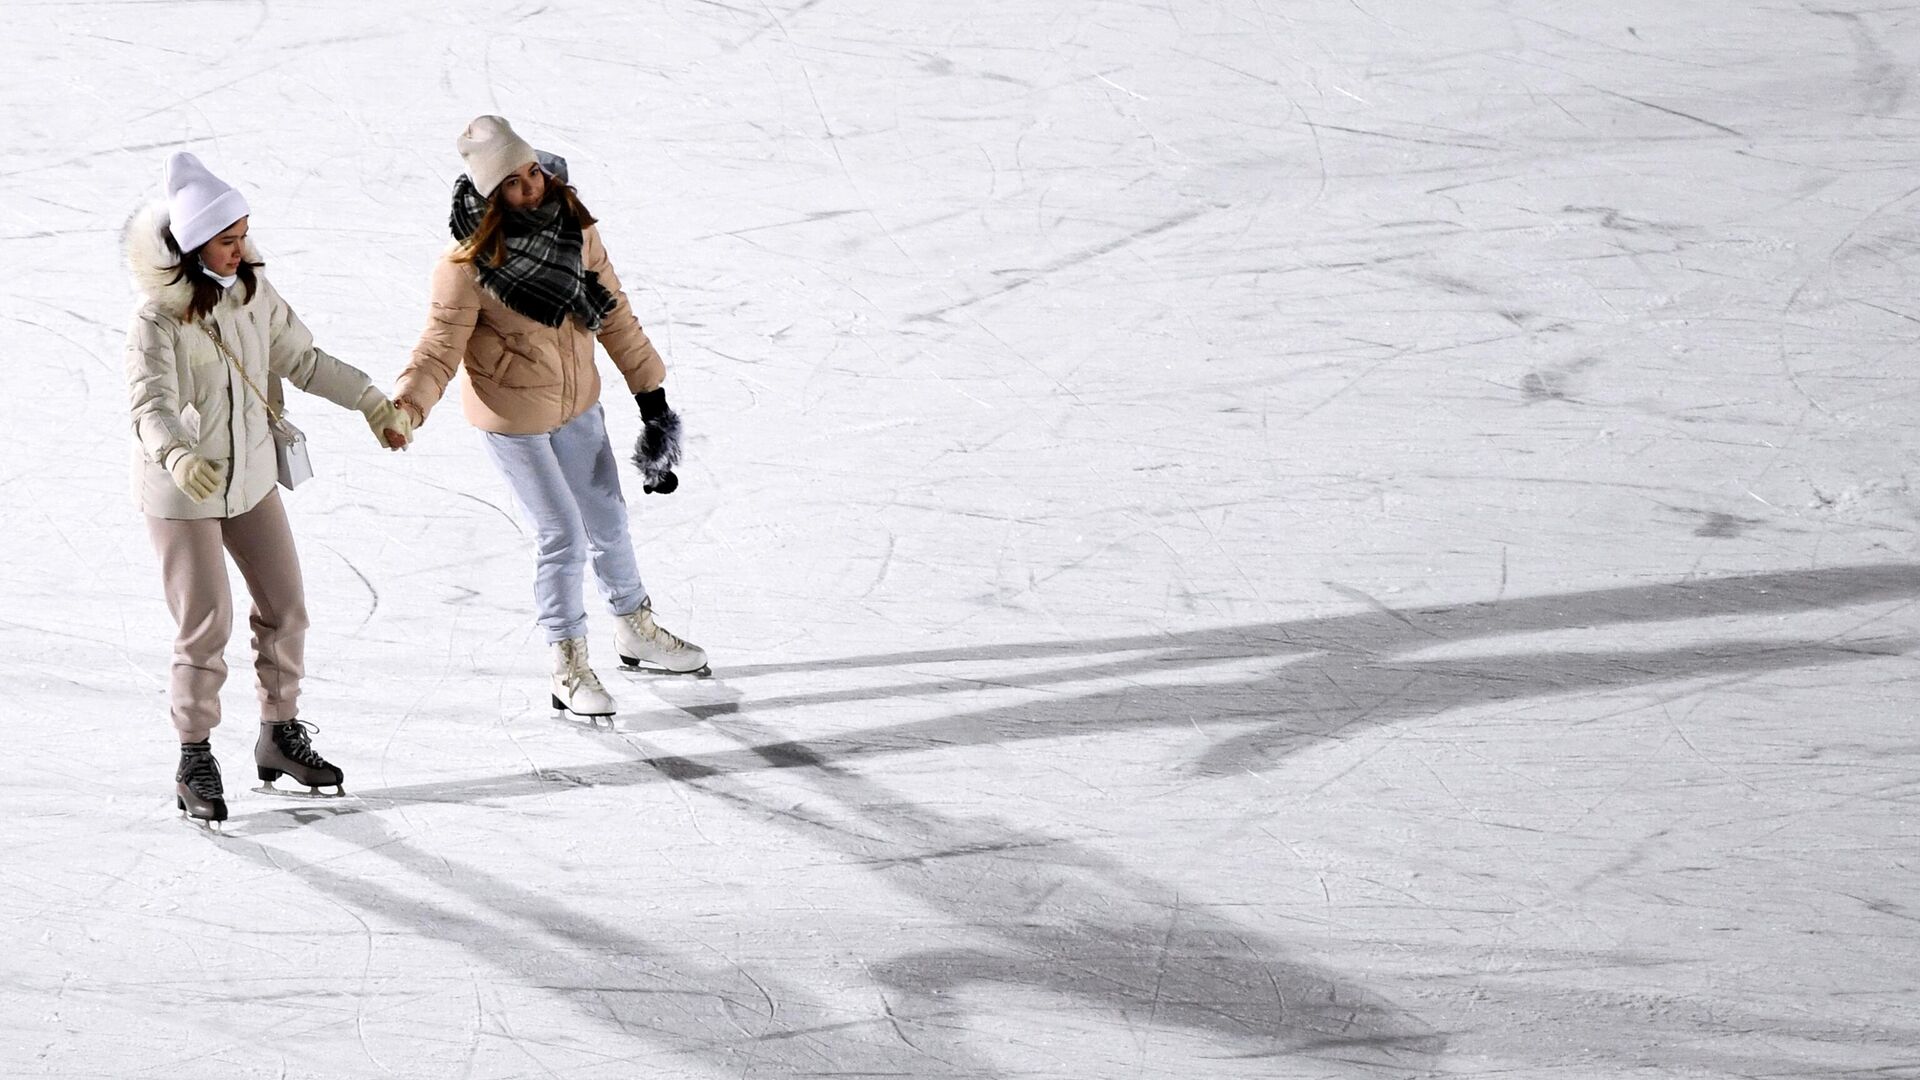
x=657, y=450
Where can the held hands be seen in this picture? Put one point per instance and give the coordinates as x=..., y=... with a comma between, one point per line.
x=410, y=418
x=657, y=450
x=195, y=475
x=391, y=424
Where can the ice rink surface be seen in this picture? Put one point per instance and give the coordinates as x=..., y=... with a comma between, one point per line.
x=1339, y=538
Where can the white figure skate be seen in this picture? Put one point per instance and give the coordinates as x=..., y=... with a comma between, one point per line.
x=576, y=689
x=645, y=646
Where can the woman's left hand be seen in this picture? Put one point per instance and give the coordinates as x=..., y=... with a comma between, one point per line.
x=657, y=450
x=391, y=425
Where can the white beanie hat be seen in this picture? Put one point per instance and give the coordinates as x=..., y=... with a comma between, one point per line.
x=492, y=152
x=199, y=204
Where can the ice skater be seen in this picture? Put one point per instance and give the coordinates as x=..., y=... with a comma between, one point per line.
x=209, y=344
x=518, y=301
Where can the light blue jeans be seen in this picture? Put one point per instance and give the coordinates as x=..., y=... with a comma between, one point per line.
x=568, y=486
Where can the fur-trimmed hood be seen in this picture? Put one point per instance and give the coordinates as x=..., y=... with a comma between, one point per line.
x=187, y=393
x=152, y=266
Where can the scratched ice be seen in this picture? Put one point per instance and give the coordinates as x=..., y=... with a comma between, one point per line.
x=1336, y=538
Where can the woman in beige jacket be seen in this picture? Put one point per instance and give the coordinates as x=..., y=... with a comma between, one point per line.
x=518, y=303
x=209, y=343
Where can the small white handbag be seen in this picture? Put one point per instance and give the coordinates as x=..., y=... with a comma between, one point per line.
x=289, y=442
x=290, y=452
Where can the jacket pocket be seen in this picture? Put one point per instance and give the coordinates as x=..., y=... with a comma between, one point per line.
x=524, y=364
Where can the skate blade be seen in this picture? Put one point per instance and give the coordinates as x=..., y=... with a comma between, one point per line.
x=338, y=792
x=704, y=671
x=592, y=720
x=206, y=823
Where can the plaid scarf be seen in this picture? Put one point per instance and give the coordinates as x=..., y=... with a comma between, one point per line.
x=541, y=277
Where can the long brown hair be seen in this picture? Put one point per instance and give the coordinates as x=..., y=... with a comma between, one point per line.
x=206, y=291
x=488, y=244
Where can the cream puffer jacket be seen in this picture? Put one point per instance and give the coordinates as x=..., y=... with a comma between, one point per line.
x=523, y=377
x=186, y=396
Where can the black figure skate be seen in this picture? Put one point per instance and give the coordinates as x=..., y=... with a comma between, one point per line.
x=196, y=785
x=287, y=750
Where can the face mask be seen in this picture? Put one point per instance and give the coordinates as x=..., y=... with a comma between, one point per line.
x=226, y=280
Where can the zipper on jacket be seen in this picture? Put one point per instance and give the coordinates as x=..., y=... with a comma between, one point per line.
x=568, y=394
x=234, y=423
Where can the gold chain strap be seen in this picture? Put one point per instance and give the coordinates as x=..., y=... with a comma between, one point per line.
x=272, y=413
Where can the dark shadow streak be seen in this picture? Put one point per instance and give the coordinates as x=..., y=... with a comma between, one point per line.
x=714, y=1010
x=1372, y=633
x=1330, y=674
x=1118, y=951
x=1067, y=921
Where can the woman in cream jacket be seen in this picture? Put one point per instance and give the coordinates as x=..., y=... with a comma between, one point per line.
x=518, y=303
x=210, y=341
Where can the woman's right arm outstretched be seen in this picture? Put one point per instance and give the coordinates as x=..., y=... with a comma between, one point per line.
x=452, y=313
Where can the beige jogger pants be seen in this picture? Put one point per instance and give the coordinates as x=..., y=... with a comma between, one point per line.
x=194, y=573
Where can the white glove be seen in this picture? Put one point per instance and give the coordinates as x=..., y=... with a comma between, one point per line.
x=392, y=426
x=195, y=475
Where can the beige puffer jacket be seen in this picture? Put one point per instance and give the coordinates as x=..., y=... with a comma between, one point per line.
x=186, y=396
x=523, y=377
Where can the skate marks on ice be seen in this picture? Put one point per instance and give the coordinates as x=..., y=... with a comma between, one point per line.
x=1883, y=77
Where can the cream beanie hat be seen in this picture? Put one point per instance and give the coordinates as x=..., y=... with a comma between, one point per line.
x=492, y=152
x=199, y=204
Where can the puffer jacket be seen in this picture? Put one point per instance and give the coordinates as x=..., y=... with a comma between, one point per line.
x=186, y=396
x=523, y=377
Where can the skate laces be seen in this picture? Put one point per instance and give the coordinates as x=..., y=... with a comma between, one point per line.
x=573, y=652
x=652, y=632
x=199, y=771
x=294, y=738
